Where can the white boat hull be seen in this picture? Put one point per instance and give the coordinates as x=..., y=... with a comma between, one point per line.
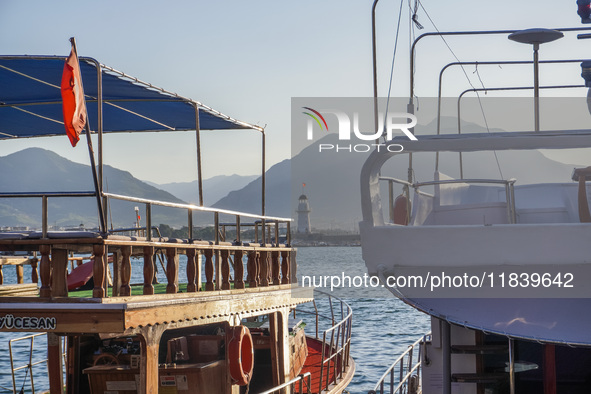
x=551, y=311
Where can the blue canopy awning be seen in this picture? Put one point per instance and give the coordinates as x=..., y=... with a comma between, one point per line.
x=31, y=106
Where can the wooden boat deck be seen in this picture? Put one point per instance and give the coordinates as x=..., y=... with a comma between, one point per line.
x=127, y=315
x=265, y=287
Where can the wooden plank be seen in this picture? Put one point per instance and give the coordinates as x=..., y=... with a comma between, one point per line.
x=59, y=273
x=150, y=340
x=45, y=271
x=34, y=273
x=73, y=371
x=14, y=260
x=19, y=290
x=172, y=270
x=54, y=364
x=549, y=369
x=276, y=341
x=117, y=262
x=148, y=253
x=218, y=270
x=78, y=320
x=192, y=280
x=206, y=308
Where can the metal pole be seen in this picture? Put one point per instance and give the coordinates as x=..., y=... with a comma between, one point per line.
x=463, y=33
x=190, y=224
x=216, y=221
x=391, y=199
x=97, y=187
x=499, y=89
x=375, y=66
x=149, y=222
x=44, y=216
x=198, y=137
x=511, y=367
x=536, y=88
x=263, y=177
x=446, y=362
x=99, y=78
x=513, y=215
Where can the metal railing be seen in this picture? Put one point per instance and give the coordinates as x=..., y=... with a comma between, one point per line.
x=29, y=366
x=404, y=375
x=302, y=379
x=265, y=221
x=268, y=264
x=44, y=200
x=336, y=340
x=509, y=191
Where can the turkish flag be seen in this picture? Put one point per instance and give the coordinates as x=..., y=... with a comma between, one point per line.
x=73, y=104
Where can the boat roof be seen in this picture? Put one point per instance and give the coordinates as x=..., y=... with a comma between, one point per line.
x=31, y=103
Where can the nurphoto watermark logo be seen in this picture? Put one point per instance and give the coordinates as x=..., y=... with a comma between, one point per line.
x=355, y=127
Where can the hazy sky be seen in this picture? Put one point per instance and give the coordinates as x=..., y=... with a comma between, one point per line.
x=247, y=59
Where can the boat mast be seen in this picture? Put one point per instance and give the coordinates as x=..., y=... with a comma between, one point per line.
x=97, y=184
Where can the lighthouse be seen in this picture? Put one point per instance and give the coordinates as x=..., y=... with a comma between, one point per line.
x=303, y=212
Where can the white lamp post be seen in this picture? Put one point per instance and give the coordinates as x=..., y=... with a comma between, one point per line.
x=536, y=37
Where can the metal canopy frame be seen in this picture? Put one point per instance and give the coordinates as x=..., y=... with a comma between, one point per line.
x=198, y=106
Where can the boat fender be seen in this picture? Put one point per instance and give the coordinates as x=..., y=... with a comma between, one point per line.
x=241, y=353
x=401, y=205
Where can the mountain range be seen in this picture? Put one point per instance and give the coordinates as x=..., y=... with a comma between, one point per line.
x=214, y=188
x=331, y=184
x=36, y=170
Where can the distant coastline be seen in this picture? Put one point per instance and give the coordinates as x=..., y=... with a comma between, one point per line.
x=325, y=239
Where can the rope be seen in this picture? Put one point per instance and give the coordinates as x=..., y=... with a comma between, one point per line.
x=393, y=59
x=22, y=390
x=467, y=78
x=415, y=17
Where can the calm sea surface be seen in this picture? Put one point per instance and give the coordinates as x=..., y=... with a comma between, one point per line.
x=383, y=326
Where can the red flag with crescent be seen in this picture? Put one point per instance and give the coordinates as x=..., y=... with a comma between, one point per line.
x=73, y=104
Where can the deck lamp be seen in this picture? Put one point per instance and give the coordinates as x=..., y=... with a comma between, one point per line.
x=536, y=37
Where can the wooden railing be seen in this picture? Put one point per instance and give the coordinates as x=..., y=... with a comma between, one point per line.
x=268, y=258
x=19, y=264
x=266, y=265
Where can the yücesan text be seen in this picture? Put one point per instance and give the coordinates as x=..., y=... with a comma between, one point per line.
x=31, y=323
x=360, y=148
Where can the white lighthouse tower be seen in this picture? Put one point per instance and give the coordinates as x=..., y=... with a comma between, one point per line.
x=303, y=212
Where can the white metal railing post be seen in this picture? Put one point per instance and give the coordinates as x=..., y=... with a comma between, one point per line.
x=512, y=192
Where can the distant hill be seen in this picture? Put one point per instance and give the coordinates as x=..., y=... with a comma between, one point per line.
x=332, y=179
x=214, y=188
x=278, y=187
x=35, y=169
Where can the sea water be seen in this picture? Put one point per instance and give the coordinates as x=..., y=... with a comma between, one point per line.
x=383, y=326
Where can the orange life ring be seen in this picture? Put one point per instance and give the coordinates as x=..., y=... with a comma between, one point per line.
x=241, y=353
